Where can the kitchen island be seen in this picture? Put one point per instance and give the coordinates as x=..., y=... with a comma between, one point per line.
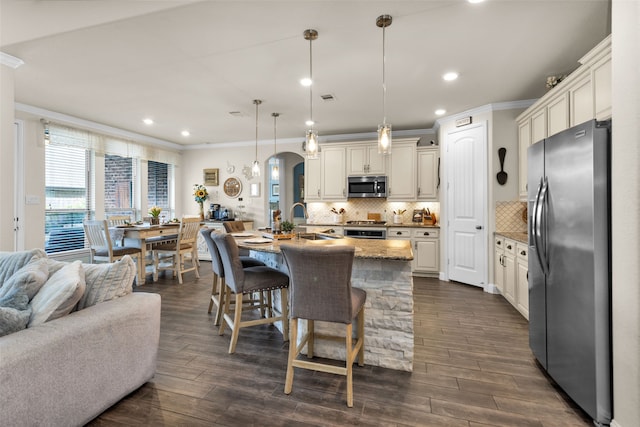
x=383, y=269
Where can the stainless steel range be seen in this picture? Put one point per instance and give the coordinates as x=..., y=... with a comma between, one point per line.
x=365, y=229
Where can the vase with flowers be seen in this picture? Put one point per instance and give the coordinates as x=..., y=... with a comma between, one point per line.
x=200, y=195
x=154, y=213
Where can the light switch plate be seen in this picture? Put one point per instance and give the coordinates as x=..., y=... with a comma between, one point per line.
x=31, y=199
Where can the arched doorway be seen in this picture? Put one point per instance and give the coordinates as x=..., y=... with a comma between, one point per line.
x=285, y=190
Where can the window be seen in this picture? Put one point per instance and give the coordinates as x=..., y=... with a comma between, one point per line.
x=119, y=176
x=160, y=177
x=68, y=196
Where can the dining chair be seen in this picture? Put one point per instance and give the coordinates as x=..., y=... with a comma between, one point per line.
x=319, y=293
x=118, y=220
x=219, y=285
x=233, y=226
x=245, y=281
x=115, y=220
x=175, y=251
x=99, y=239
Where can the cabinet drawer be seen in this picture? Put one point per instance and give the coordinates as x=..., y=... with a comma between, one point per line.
x=510, y=246
x=522, y=251
x=426, y=233
x=398, y=233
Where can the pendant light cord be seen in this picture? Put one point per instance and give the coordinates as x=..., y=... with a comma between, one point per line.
x=311, y=78
x=384, y=81
x=257, y=102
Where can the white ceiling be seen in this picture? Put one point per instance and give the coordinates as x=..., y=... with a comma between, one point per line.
x=187, y=64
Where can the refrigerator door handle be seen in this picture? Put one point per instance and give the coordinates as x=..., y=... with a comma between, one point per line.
x=536, y=226
x=544, y=261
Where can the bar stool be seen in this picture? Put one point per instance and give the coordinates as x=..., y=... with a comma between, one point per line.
x=245, y=281
x=320, y=280
x=219, y=285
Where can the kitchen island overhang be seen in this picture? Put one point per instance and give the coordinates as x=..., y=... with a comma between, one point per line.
x=383, y=269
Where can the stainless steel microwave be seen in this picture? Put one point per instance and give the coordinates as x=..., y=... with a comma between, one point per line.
x=366, y=186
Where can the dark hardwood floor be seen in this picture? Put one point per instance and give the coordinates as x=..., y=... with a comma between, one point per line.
x=473, y=367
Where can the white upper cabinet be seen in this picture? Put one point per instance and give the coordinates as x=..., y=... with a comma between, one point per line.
x=312, y=179
x=584, y=95
x=333, y=177
x=363, y=159
x=402, y=171
x=428, y=179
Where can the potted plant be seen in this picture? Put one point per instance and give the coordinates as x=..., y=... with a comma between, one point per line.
x=154, y=213
x=287, y=227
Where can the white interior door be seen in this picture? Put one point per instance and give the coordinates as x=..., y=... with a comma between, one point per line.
x=467, y=204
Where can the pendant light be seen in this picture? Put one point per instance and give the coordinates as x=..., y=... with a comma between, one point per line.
x=255, y=169
x=275, y=171
x=311, y=136
x=384, y=130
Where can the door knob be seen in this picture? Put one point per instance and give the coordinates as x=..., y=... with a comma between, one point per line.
x=478, y=227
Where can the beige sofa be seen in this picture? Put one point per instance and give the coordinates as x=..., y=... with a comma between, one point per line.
x=67, y=371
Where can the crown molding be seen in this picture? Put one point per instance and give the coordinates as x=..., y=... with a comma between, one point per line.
x=10, y=61
x=97, y=127
x=498, y=106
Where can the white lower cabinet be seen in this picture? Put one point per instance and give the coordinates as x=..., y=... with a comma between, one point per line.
x=522, y=279
x=426, y=250
x=511, y=273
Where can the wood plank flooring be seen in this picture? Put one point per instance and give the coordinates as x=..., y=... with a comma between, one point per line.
x=472, y=368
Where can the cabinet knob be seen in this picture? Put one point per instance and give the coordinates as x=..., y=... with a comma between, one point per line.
x=426, y=233
x=498, y=242
x=523, y=253
x=398, y=233
x=508, y=246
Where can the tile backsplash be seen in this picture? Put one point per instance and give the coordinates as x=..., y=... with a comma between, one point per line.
x=357, y=209
x=509, y=216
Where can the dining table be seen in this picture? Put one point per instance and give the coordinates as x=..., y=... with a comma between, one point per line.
x=137, y=235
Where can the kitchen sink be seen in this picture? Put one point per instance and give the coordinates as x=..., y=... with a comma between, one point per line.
x=318, y=236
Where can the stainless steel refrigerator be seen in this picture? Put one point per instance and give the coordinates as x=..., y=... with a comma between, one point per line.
x=569, y=263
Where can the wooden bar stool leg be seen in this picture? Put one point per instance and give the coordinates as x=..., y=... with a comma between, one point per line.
x=293, y=331
x=349, y=358
x=214, y=289
x=284, y=300
x=311, y=340
x=227, y=297
x=221, y=300
x=361, y=337
x=236, y=323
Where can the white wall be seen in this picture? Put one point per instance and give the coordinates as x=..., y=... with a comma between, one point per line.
x=626, y=211
x=240, y=156
x=6, y=157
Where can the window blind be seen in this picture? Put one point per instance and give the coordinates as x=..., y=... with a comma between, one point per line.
x=159, y=190
x=68, y=196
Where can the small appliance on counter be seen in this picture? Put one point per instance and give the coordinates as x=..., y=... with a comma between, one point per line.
x=214, y=208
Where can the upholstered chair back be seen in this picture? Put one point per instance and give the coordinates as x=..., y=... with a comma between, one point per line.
x=320, y=282
x=231, y=263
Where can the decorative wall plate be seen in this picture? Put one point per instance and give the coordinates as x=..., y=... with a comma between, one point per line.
x=232, y=187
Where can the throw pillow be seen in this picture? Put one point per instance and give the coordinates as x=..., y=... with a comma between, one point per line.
x=12, y=320
x=59, y=294
x=10, y=262
x=14, y=311
x=107, y=281
x=29, y=278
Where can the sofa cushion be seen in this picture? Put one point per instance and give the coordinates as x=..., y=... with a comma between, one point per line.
x=59, y=295
x=29, y=278
x=107, y=281
x=10, y=262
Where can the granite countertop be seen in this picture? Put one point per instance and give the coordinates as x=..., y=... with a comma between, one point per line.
x=387, y=224
x=399, y=250
x=518, y=236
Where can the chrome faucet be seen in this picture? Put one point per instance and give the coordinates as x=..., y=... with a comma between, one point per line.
x=304, y=210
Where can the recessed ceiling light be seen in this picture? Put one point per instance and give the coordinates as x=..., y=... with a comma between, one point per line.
x=185, y=133
x=450, y=76
x=440, y=111
x=147, y=121
x=306, y=82
x=309, y=123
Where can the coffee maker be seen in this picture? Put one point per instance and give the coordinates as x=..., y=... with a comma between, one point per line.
x=214, y=211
